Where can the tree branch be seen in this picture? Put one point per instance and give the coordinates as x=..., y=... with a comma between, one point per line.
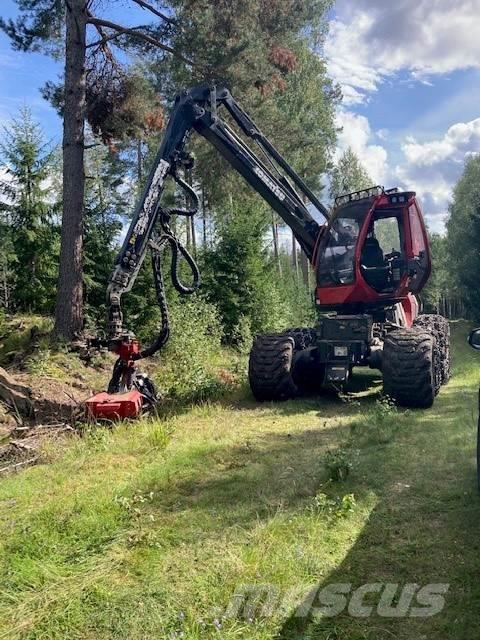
x=148, y=7
x=102, y=43
x=99, y=22
x=105, y=38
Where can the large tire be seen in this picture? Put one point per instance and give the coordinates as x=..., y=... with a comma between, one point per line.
x=439, y=327
x=270, y=368
x=409, y=367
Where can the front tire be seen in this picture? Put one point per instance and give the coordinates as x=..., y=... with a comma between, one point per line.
x=409, y=368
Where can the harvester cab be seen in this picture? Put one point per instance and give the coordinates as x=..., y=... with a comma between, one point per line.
x=373, y=253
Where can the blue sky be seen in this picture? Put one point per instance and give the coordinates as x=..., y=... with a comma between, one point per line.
x=410, y=74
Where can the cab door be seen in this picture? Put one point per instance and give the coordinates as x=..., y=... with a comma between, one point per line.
x=419, y=258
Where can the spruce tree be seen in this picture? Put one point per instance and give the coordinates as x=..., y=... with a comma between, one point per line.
x=30, y=211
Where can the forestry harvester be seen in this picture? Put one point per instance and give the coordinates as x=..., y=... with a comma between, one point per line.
x=370, y=256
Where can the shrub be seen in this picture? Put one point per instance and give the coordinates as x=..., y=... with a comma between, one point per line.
x=186, y=364
x=339, y=463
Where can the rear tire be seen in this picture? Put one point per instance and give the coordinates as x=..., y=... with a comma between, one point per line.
x=270, y=368
x=439, y=327
x=409, y=368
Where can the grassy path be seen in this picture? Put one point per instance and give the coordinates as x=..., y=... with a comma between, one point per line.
x=148, y=530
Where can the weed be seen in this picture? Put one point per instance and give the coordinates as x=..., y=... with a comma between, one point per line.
x=339, y=463
x=41, y=363
x=336, y=507
x=159, y=435
x=379, y=423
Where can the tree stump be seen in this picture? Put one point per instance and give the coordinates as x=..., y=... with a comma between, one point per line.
x=16, y=395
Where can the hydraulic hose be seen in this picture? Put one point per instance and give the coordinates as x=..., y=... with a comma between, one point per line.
x=158, y=245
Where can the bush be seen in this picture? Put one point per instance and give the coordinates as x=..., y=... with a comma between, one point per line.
x=339, y=463
x=186, y=365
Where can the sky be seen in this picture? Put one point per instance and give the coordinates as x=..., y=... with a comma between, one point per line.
x=410, y=75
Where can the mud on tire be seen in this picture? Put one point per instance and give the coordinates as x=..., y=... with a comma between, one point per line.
x=303, y=337
x=270, y=368
x=439, y=327
x=409, y=367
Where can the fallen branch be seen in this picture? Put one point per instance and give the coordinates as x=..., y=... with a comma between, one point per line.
x=16, y=466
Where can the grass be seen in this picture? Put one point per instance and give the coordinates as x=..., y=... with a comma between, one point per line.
x=16, y=335
x=147, y=530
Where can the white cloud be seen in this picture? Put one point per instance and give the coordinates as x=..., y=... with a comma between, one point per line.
x=459, y=140
x=432, y=168
x=370, y=40
x=357, y=134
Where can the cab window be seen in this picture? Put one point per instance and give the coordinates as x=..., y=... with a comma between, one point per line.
x=337, y=264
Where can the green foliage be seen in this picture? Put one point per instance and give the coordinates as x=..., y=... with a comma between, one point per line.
x=333, y=507
x=186, y=364
x=339, y=463
x=348, y=175
x=29, y=214
x=241, y=278
x=39, y=26
x=463, y=236
x=443, y=286
x=107, y=200
x=7, y=263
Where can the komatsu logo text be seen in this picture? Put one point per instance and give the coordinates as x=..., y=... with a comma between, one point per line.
x=270, y=184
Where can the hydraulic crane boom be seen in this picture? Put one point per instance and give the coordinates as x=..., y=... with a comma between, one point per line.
x=272, y=177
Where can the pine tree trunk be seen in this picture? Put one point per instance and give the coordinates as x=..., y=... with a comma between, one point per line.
x=304, y=261
x=276, y=250
x=188, y=229
x=194, y=237
x=69, y=307
x=139, y=165
x=6, y=296
x=294, y=255
x=305, y=266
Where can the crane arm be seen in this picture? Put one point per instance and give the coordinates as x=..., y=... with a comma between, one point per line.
x=272, y=177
